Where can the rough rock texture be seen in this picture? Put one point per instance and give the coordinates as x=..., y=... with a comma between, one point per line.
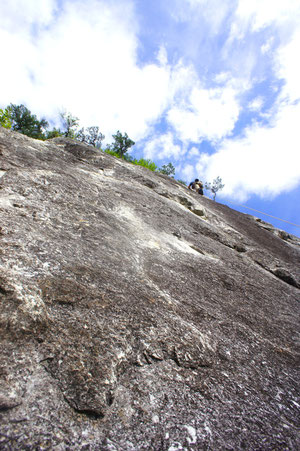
x=137, y=315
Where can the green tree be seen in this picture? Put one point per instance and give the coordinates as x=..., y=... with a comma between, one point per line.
x=70, y=124
x=182, y=182
x=25, y=122
x=167, y=169
x=121, y=143
x=55, y=133
x=5, y=118
x=215, y=186
x=91, y=136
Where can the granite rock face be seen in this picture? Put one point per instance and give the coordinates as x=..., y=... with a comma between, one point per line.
x=137, y=315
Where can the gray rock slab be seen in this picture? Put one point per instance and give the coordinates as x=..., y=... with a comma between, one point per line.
x=136, y=314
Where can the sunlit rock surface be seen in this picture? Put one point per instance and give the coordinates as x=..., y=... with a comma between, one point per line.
x=137, y=315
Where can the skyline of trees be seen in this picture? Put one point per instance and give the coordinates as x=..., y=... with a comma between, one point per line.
x=19, y=118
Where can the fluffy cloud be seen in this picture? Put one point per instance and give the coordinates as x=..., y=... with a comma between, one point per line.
x=260, y=13
x=188, y=172
x=288, y=68
x=205, y=114
x=266, y=161
x=256, y=104
x=83, y=58
x=85, y=61
x=211, y=13
x=21, y=14
x=163, y=147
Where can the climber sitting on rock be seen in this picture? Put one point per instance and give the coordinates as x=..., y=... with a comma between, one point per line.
x=196, y=186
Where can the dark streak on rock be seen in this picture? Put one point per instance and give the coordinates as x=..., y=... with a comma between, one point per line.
x=91, y=414
x=197, y=249
x=3, y=291
x=284, y=275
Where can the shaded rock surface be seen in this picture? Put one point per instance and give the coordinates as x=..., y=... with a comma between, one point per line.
x=137, y=315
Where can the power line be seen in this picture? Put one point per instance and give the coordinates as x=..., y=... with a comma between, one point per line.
x=274, y=217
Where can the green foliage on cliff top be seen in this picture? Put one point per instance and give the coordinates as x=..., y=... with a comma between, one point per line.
x=20, y=118
x=5, y=118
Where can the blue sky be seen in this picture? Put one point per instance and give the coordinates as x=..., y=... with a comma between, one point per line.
x=210, y=85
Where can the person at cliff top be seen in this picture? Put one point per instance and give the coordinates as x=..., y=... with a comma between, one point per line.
x=196, y=186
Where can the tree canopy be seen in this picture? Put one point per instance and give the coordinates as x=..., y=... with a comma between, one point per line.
x=168, y=169
x=5, y=118
x=91, y=135
x=70, y=124
x=23, y=121
x=121, y=144
x=215, y=186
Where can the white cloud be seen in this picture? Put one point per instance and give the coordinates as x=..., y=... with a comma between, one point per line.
x=162, y=56
x=209, y=12
x=193, y=152
x=222, y=77
x=19, y=15
x=163, y=147
x=265, y=162
x=254, y=25
x=205, y=114
x=187, y=173
x=275, y=17
x=266, y=47
x=84, y=61
x=260, y=13
x=288, y=68
x=256, y=104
